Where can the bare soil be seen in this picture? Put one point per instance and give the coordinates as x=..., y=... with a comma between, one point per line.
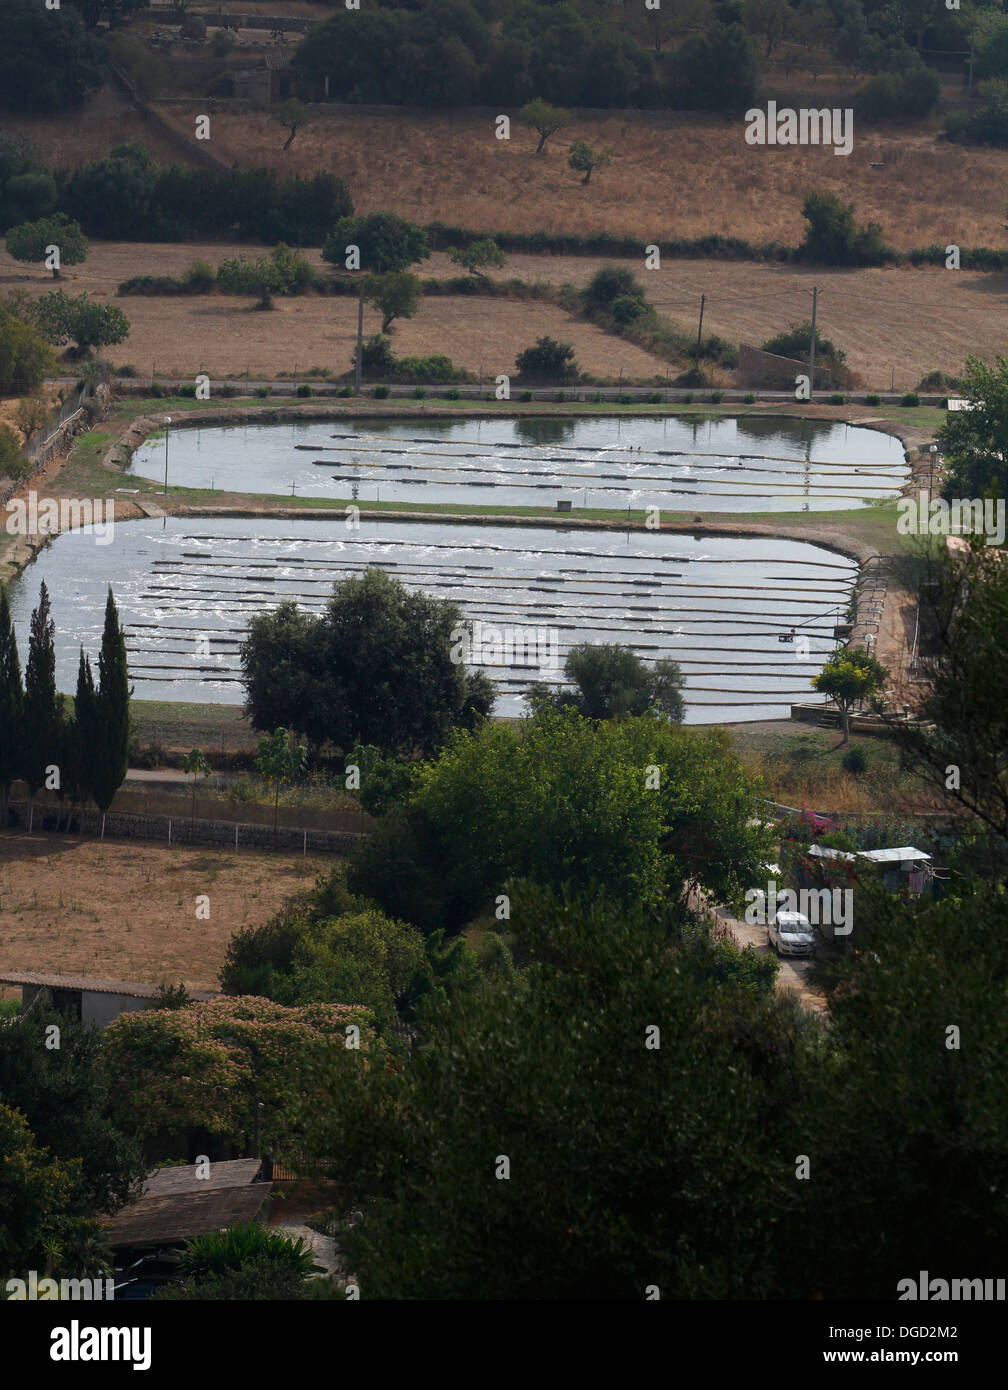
x=125, y=911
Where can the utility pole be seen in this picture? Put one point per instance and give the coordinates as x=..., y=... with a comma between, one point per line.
x=699, y=335
x=811, y=355
x=360, y=338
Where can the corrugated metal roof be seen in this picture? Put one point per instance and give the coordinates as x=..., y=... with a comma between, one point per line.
x=93, y=984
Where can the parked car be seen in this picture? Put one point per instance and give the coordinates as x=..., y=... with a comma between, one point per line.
x=790, y=934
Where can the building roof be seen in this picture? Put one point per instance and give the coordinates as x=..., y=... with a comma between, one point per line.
x=894, y=856
x=93, y=984
x=176, y=1204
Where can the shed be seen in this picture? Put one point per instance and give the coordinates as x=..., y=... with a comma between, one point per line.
x=176, y=1204
x=91, y=999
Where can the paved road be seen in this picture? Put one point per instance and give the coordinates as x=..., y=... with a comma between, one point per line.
x=793, y=971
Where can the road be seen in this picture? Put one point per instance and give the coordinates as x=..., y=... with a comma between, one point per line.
x=793, y=971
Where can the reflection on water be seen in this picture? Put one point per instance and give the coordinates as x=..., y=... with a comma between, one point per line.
x=676, y=465
x=186, y=588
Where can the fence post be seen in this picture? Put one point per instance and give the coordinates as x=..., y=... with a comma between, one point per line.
x=169, y=830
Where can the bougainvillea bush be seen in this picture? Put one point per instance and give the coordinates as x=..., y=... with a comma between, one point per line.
x=208, y=1066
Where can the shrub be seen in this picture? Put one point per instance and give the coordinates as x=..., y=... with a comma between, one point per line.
x=230, y=1249
x=748, y=398
x=527, y=396
x=127, y=369
x=380, y=393
x=832, y=236
x=156, y=390
x=837, y=399
x=453, y=395
x=911, y=398
x=624, y=399
x=688, y=398
x=303, y=390
x=419, y=394
x=200, y=278
x=597, y=398
x=262, y=391
x=716, y=397
x=626, y=309
x=854, y=760
x=377, y=355
x=547, y=360
x=655, y=398
x=345, y=391
x=187, y=389
x=872, y=399
x=610, y=284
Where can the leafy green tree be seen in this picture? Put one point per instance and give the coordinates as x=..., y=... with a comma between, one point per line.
x=832, y=236
x=208, y=1067
x=644, y=806
x=88, y=733
x=112, y=710
x=544, y=119
x=613, y=682
x=48, y=62
x=282, y=272
x=42, y=705
x=375, y=668
x=715, y=70
x=396, y=295
x=547, y=360
x=973, y=441
x=13, y=464
x=31, y=241
x=630, y=1164
x=66, y=1094
x=25, y=359
x=360, y=957
x=387, y=243
x=478, y=254
x=34, y=1189
x=850, y=676
x=280, y=760
x=582, y=157
x=11, y=706
x=292, y=114
x=886, y=1137
x=80, y=321
x=195, y=764
x=28, y=197
x=610, y=283
x=964, y=611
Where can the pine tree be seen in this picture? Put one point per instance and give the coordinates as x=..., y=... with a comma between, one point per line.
x=112, y=713
x=11, y=706
x=42, y=703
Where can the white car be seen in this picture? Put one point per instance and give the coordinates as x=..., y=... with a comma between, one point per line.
x=790, y=934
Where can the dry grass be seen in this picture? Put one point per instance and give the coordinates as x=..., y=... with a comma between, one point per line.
x=128, y=912
x=895, y=324
x=675, y=174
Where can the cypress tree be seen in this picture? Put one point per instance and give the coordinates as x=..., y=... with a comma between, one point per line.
x=42, y=704
x=85, y=733
x=11, y=706
x=112, y=712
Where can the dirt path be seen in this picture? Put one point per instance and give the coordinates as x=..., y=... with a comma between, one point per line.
x=793, y=972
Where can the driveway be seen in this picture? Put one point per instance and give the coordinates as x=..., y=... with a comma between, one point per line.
x=794, y=972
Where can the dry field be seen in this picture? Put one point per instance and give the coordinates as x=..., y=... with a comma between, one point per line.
x=674, y=174
x=127, y=912
x=895, y=324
